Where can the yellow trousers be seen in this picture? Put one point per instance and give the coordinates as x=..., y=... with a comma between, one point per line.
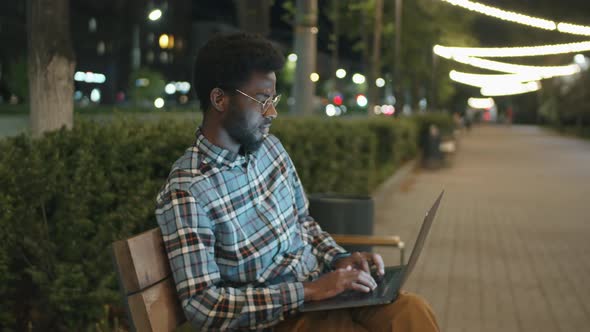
x=408, y=313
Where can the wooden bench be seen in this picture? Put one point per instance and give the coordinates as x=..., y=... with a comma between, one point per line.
x=148, y=288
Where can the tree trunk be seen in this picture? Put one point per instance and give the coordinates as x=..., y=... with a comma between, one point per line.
x=254, y=15
x=397, y=77
x=335, y=43
x=373, y=92
x=306, y=49
x=51, y=65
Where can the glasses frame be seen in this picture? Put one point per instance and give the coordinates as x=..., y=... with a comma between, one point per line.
x=266, y=104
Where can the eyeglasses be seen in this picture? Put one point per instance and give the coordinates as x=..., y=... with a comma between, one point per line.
x=266, y=104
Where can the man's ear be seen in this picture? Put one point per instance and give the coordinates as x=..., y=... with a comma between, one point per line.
x=217, y=98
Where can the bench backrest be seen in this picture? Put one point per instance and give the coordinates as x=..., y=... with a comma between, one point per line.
x=146, y=283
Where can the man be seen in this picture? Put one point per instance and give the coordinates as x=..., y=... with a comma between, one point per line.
x=243, y=250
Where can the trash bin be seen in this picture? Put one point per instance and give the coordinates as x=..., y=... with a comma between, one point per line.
x=343, y=214
x=432, y=156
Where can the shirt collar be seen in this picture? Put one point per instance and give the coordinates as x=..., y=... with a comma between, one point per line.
x=216, y=154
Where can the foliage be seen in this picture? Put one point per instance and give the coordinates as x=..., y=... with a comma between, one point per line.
x=565, y=104
x=153, y=88
x=17, y=79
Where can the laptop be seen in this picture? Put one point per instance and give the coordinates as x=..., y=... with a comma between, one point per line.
x=388, y=285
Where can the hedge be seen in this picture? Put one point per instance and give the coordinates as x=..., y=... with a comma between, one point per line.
x=66, y=197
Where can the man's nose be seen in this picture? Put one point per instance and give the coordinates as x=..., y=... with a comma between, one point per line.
x=271, y=112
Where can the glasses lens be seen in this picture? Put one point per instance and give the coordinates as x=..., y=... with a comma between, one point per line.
x=270, y=101
x=276, y=100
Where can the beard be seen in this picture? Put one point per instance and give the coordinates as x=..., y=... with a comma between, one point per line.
x=238, y=126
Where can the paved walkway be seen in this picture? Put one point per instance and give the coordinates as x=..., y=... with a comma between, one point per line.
x=510, y=248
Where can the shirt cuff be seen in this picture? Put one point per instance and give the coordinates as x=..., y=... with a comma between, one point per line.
x=337, y=257
x=293, y=296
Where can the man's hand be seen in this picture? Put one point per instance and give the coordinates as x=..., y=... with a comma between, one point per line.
x=336, y=282
x=362, y=261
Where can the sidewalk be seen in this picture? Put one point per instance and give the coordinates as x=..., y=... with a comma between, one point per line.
x=509, y=250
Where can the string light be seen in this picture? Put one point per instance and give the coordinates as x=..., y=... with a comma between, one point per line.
x=521, y=18
x=542, y=71
x=574, y=29
x=481, y=80
x=504, y=14
x=514, y=51
x=498, y=85
x=512, y=89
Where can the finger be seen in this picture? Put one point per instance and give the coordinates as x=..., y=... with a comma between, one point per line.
x=359, y=287
x=365, y=265
x=357, y=259
x=366, y=279
x=378, y=261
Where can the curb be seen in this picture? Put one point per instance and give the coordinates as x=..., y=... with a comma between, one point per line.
x=397, y=177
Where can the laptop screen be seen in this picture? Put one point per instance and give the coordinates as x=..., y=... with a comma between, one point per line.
x=428, y=219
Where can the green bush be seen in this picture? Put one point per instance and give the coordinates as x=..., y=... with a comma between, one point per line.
x=66, y=197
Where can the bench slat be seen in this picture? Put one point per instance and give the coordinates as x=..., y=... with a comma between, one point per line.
x=142, y=261
x=156, y=308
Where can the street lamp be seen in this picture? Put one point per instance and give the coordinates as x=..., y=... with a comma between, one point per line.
x=155, y=15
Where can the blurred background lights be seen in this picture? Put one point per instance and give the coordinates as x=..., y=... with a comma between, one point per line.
x=581, y=61
x=95, y=95
x=341, y=73
x=358, y=78
x=170, y=88
x=361, y=100
x=292, y=57
x=155, y=15
x=380, y=82
x=314, y=77
x=166, y=41
x=182, y=87
x=423, y=103
x=159, y=103
x=480, y=103
x=391, y=99
x=90, y=77
x=387, y=110
x=142, y=82
x=330, y=110
x=337, y=100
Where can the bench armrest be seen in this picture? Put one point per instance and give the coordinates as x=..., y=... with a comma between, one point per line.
x=370, y=240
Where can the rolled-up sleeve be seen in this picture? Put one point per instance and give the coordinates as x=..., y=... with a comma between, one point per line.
x=208, y=304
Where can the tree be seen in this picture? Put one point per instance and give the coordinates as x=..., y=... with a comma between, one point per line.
x=145, y=85
x=305, y=45
x=424, y=24
x=16, y=79
x=254, y=15
x=375, y=69
x=51, y=65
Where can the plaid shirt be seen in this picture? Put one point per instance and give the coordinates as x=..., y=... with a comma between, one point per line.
x=238, y=236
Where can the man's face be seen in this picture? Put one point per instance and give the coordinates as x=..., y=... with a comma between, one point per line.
x=244, y=121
